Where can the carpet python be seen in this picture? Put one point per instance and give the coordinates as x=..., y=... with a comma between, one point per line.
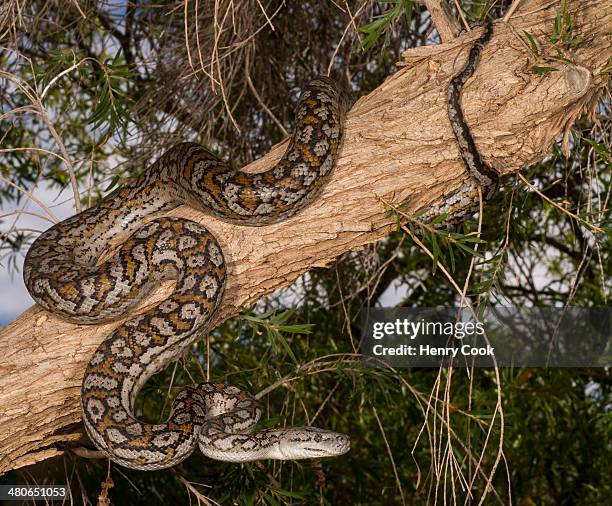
x=62, y=274
x=464, y=202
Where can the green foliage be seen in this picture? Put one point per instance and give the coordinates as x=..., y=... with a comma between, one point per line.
x=536, y=249
x=533, y=43
x=385, y=22
x=536, y=69
x=112, y=102
x=563, y=27
x=274, y=328
x=561, y=39
x=445, y=244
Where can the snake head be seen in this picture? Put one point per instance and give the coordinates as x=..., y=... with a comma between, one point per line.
x=311, y=442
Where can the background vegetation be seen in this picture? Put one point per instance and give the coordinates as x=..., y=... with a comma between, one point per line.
x=93, y=91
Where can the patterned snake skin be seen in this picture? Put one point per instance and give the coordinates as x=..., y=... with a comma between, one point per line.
x=61, y=274
x=464, y=202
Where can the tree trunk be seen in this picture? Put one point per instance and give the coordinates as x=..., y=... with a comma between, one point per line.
x=398, y=147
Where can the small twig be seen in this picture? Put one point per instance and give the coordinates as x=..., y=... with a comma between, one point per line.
x=199, y=496
x=345, y=311
x=462, y=16
x=107, y=484
x=443, y=19
x=346, y=30
x=62, y=148
x=76, y=4
x=259, y=99
x=29, y=213
x=17, y=110
x=32, y=197
x=266, y=15
x=593, y=228
x=42, y=150
x=426, y=250
x=86, y=453
x=325, y=401
x=473, y=257
x=61, y=74
x=397, y=479
x=168, y=392
x=186, y=30
x=511, y=10
x=215, y=58
x=197, y=33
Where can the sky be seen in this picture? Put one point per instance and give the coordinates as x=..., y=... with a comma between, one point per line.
x=14, y=298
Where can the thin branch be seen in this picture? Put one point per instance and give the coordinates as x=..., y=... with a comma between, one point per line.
x=511, y=10
x=593, y=228
x=390, y=453
x=443, y=19
x=32, y=197
x=260, y=100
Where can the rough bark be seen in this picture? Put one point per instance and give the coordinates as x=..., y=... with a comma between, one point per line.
x=399, y=146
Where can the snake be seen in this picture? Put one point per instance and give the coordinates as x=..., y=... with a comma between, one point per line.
x=464, y=201
x=64, y=274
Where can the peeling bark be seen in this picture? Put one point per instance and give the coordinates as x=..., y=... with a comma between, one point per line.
x=398, y=146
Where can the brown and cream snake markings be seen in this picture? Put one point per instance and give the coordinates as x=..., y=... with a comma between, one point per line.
x=62, y=275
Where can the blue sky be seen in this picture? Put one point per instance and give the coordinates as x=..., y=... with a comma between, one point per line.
x=14, y=298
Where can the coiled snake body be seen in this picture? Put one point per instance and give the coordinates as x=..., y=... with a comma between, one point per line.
x=61, y=274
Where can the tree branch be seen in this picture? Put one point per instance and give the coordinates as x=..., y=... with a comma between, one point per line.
x=443, y=19
x=399, y=146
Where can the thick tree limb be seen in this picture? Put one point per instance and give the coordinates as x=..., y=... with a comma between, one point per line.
x=399, y=146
